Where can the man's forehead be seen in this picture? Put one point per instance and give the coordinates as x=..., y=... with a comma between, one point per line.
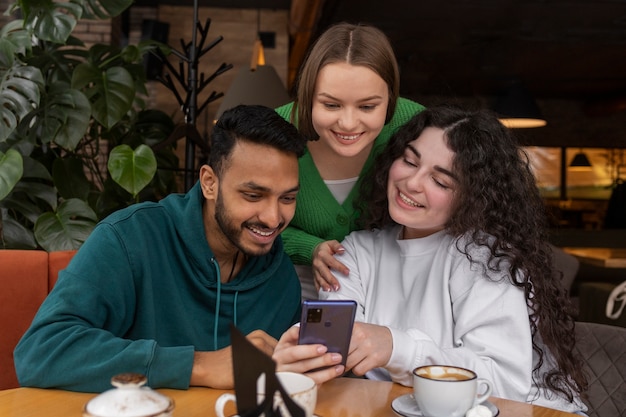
x=262, y=168
x=257, y=151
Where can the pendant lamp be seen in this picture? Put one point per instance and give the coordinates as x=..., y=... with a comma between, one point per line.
x=517, y=108
x=580, y=162
x=256, y=84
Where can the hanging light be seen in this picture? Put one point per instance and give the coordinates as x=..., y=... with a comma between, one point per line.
x=257, y=84
x=580, y=162
x=517, y=108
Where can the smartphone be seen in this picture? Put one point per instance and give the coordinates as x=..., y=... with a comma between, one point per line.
x=328, y=322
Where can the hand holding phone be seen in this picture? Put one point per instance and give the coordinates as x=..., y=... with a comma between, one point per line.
x=328, y=322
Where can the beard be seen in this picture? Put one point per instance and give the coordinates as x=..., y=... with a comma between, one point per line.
x=233, y=232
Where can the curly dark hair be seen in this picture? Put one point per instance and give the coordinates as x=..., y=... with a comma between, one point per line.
x=497, y=205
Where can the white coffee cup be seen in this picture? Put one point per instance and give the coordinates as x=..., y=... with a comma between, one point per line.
x=301, y=388
x=447, y=391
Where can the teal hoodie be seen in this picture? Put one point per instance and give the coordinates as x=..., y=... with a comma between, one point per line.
x=142, y=294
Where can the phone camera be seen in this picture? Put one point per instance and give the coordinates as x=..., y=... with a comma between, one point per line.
x=314, y=315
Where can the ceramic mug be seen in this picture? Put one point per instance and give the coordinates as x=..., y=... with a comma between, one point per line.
x=447, y=391
x=301, y=388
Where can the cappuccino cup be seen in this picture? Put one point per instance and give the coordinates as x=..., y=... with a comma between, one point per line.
x=448, y=391
x=301, y=388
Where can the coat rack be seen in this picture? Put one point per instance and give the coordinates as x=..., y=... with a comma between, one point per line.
x=187, y=76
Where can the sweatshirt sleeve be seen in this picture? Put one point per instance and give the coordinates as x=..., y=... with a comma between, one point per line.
x=491, y=336
x=77, y=339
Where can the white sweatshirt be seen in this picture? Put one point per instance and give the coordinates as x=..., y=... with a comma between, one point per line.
x=441, y=309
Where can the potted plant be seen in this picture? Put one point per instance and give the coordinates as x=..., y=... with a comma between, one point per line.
x=76, y=137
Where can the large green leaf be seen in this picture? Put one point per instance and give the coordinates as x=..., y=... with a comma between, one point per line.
x=11, y=169
x=21, y=206
x=67, y=228
x=103, y=9
x=66, y=116
x=13, y=40
x=31, y=198
x=69, y=177
x=111, y=92
x=54, y=20
x=51, y=21
x=19, y=94
x=132, y=170
x=57, y=61
x=13, y=235
x=34, y=169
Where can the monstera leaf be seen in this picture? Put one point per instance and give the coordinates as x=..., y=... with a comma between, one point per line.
x=132, y=170
x=111, y=91
x=19, y=94
x=11, y=170
x=54, y=21
x=67, y=228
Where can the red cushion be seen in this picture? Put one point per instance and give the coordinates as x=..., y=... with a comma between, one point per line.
x=24, y=285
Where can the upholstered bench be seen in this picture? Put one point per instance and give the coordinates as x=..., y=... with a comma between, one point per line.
x=26, y=277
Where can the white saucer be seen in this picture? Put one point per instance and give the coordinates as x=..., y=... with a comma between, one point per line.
x=406, y=406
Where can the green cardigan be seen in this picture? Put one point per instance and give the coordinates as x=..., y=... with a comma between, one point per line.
x=319, y=217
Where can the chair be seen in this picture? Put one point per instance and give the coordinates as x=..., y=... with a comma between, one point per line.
x=568, y=265
x=603, y=349
x=616, y=304
x=595, y=299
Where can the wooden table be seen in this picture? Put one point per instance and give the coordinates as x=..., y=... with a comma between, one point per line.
x=604, y=257
x=345, y=397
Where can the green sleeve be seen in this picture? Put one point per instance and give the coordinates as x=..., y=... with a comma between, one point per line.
x=299, y=245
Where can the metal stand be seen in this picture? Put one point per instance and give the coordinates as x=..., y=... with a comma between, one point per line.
x=189, y=58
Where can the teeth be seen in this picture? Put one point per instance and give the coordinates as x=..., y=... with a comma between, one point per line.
x=260, y=232
x=348, y=137
x=408, y=201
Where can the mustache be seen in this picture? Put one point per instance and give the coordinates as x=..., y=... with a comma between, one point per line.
x=263, y=226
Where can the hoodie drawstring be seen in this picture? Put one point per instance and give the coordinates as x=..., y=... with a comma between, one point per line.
x=235, y=307
x=218, y=302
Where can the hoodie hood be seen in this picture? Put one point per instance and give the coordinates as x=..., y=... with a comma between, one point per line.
x=190, y=229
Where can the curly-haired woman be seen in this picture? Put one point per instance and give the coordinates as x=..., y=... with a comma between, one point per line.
x=453, y=265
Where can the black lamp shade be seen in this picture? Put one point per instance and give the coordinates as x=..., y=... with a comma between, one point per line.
x=580, y=161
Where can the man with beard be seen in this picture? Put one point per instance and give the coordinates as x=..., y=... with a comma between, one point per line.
x=154, y=288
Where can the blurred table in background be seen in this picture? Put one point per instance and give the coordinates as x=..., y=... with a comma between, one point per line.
x=603, y=257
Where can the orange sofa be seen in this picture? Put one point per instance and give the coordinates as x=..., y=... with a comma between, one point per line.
x=26, y=277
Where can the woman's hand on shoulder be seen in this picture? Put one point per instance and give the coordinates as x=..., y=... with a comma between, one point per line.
x=289, y=356
x=324, y=261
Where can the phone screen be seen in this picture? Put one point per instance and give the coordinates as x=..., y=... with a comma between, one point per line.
x=328, y=322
